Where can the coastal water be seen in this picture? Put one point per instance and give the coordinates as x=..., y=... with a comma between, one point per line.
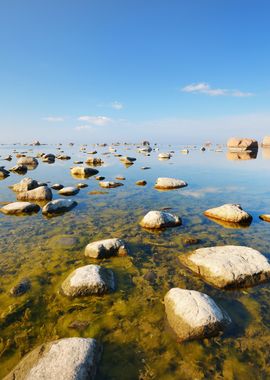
x=131, y=323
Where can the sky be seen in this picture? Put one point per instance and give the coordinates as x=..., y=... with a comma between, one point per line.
x=181, y=71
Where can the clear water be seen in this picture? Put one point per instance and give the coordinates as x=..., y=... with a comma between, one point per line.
x=131, y=323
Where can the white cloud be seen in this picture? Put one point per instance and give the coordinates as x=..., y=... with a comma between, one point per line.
x=96, y=120
x=205, y=88
x=117, y=105
x=53, y=119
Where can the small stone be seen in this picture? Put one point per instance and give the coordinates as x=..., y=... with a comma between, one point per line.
x=110, y=184
x=169, y=183
x=22, y=287
x=18, y=208
x=141, y=182
x=58, y=206
x=70, y=190
x=160, y=219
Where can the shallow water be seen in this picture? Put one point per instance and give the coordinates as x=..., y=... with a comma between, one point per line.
x=131, y=323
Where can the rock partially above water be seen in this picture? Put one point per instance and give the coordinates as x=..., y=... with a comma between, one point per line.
x=229, y=266
x=24, y=185
x=110, y=184
x=229, y=213
x=266, y=141
x=141, y=182
x=242, y=144
x=194, y=315
x=58, y=206
x=164, y=156
x=265, y=217
x=20, y=169
x=64, y=359
x=3, y=173
x=106, y=248
x=83, y=172
x=87, y=280
x=160, y=219
x=28, y=161
x=41, y=193
x=70, y=190
x=18, y=208
x=169, y=183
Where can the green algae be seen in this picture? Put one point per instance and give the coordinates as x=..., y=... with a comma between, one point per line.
x=131, y=323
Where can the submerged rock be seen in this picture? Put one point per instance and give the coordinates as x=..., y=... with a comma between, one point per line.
x=194, y=315
x=21, y=288
x=229, y=266
x=160, y=219
x=106, y=248
x=58, y=206
x=229, y=213
x=64, y=359
x=87, y=280
x=169, y=183
x=18, y=208
x=41, y=193
x=70, y=190
x=83, y=172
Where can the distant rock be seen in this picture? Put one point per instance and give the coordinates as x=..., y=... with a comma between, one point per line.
x=164, y=156
x=58, y=206
x=35, y=143
x=141, y=182
x=109, y=184
x=41, y=193
x=49, y=157
x=25, y=184
x=64, y=359
x=28, y=161
x=160, y=219
x=83, y=171
x=194, y=315
x=169, y=183
x=63, y=157
x=81, y=185
x=94, y=161
x=69, y=190
x=229, y=266
x=3, y=173
x=18, y=208
x=265, y=217
x=229, y=213
x=106, y=248
x=20, y=169
x=242, y=144
x=266, y=142
x=88, y=280
x=127, y=160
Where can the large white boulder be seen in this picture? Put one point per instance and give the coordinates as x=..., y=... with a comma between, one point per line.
x=229, y=213
x=193, y=315
x=229, y=266
x=160, y=219
x=64, y=359
x=87, y=280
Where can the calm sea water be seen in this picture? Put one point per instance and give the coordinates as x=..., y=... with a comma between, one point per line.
x=131, y=323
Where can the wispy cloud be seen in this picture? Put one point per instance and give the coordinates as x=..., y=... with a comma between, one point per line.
x=83, y=127
x=117, y=105
x=205, y=88
x=53, y=119
x=96, y=120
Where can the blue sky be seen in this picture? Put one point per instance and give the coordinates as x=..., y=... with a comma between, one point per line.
x=91, y=70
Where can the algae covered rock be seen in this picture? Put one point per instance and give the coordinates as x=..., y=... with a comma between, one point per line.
x=64, y=359
x=193, y=315
x=229, y=266
x=88, y=280
x=160, y=219
x=106, y=248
